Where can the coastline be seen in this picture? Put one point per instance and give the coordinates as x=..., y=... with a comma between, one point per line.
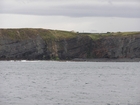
x=83, y=60
x=108, y=60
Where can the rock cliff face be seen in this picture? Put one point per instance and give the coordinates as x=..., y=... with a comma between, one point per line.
x=49, y=44
x=21, y=49
x=117, y=47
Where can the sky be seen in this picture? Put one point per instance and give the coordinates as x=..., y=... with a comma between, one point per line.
x=94, y=16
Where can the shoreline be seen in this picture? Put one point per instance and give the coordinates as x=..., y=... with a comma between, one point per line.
x=84, y=60
x=109, y=60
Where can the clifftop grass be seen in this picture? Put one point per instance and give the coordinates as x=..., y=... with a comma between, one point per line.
x=47, y=34
x=18, y=33
x=96, y=36
x=56, y=34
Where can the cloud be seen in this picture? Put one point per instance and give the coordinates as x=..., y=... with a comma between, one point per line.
x=84, y=24
x=73, y=8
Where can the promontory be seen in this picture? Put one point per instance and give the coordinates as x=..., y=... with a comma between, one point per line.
x=46, y=44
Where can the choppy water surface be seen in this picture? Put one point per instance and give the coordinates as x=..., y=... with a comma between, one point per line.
x=69, y=83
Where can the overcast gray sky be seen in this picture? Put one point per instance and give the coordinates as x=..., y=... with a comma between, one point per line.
x=78, y=15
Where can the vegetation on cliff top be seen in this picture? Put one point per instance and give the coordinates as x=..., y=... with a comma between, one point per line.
x=96, y=36
x=48, y=34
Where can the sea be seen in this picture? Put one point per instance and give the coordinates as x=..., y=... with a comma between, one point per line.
x=69, y=83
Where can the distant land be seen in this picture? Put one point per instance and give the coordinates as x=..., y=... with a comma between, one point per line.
x=46, y=44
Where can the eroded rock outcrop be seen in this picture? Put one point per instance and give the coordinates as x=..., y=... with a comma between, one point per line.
x=21, y=49
x=117, y=47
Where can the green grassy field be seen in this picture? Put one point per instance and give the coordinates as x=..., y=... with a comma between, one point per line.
x=48, y=34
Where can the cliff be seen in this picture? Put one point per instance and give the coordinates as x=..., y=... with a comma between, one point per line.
x=43, y=44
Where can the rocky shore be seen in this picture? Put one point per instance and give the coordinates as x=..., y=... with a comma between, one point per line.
x=108, y=60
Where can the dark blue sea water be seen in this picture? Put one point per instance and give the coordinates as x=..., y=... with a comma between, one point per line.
x=69, y=83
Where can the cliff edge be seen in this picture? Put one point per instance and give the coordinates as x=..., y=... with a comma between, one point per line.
x=45, y=44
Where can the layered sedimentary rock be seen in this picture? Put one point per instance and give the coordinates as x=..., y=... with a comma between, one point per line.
x=44, y=44
x=21, y=49
x=117, y=47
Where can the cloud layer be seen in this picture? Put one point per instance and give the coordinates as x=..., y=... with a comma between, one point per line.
x=84, y=24
x=73, y=8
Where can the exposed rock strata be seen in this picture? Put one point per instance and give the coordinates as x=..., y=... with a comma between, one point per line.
x=22, y=49
x=117, y=47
